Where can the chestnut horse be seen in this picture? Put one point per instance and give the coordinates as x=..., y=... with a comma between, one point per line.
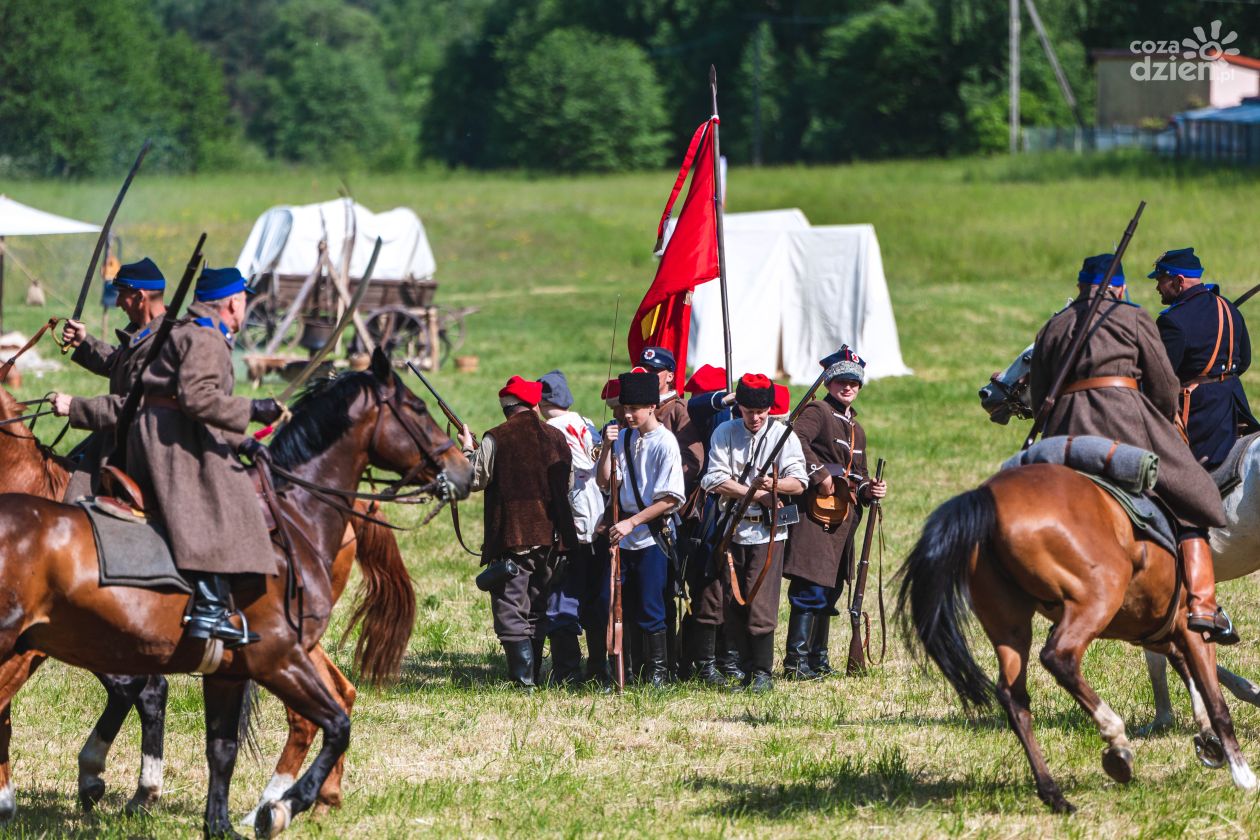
x=386, y=609
x=51, y=600
x=1044, y=539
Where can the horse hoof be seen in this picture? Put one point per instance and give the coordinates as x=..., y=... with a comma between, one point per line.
x=8, y=803
x=1062, y=806
x=1209, y=750
x=273, y=818
x=1156, y=727
x=1118, y=763
x=141, y=803
x=91, y=791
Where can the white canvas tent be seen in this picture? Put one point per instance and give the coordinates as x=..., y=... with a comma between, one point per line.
x=285, y=241
x=18, y=219
x=797, y=293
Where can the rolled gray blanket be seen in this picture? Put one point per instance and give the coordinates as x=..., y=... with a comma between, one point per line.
x=1132, y=469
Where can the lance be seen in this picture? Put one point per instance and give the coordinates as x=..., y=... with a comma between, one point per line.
x=100, y=241
x=721, y=238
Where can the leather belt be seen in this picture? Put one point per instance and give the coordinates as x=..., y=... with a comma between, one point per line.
x=156, y=401
x=1204, y=380
x=1095, y=382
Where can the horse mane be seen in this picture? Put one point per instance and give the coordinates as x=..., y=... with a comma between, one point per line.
x=321, y=417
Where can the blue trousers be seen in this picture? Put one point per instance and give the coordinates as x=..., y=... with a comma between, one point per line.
x=644, y=574
x=564, y=604
x=813, y=597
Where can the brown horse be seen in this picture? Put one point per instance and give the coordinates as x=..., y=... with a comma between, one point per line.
x=386, y=610
x=1044, y=539
x=51, y=601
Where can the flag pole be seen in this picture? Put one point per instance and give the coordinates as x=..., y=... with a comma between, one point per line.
x=717, y=211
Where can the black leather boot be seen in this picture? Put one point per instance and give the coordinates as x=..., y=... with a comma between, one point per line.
x=687, y=664
x=801, y=626
x=727, y=659
x=537, y=649
x=818, y=657
x=210, y=617
x=761, y=663
x=520, y=662
x=566, y=659
x=656, y=664
x=701, y=640
x=597, y=672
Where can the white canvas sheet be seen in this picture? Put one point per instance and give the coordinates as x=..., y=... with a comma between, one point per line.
x=17, y=219
x=285, y=240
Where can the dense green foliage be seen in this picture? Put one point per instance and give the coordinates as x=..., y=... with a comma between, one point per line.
x=546, y=84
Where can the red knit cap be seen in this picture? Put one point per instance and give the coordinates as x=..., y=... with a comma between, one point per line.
x=612, y=390
x=706, y=378
x=521, y=390
x=782, y=401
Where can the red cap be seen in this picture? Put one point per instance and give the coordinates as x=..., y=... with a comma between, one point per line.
x=522, y=390
x=756, y=381
x=612, y=390
x=782, y=401
x=706, y=378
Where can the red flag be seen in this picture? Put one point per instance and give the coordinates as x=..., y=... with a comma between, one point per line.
x=663, y=319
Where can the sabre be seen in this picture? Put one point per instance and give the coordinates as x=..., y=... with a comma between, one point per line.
x=100, y=241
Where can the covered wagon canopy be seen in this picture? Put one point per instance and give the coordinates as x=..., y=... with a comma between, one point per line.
x=797, y=292
x=285, y=241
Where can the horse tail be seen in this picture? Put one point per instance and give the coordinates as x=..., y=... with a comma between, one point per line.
x=247, y=726
x=934, y=587
x=385, y=603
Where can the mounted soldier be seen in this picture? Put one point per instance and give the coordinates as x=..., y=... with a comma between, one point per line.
x=140, y=288
x=820, y=555
x=524, y=466
x=1124, y=388
x=1207, y=342
x=182, y=449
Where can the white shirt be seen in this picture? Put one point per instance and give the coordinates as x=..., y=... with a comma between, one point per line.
x=584, y=496
x=657, y=466
x=730, y=450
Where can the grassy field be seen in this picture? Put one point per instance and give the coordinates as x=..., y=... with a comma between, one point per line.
x=978, y=254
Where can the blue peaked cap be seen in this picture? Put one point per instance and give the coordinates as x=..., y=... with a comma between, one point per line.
x=218, y=283
x=143, y=275
x=1094, y=269
x=1182, y=261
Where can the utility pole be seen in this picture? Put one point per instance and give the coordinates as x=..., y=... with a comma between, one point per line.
x=1014, y=47
x=1059, y=75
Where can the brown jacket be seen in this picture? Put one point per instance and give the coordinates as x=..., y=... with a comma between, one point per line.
x=1125, y=342
x=527, y=498
x=673, y=415
x=828, y=435
x=185, y=459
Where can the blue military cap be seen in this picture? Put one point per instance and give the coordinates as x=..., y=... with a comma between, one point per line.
x=657, y=358
x=1094, y=269
x=1181, y=261
x=844, y=364
x=218, y=283
x=555, y=389
x=143, y=275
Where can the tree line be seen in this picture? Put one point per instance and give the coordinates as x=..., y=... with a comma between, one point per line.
x=555, y=85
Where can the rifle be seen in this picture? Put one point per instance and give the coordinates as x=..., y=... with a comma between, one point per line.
x=442, y=404
x=1082, y=333
x=616, y=631
x=100, y=241
x=857, y=661
x=132, y=403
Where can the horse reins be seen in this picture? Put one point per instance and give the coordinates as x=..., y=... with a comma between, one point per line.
x=8, y=366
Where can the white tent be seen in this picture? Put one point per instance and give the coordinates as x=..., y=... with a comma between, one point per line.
x=17, y=219
x=285, y=241
x=797, y=293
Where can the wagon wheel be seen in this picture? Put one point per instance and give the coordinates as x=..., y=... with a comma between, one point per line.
x=399, y=331
x=451, y=331
x=262, y=318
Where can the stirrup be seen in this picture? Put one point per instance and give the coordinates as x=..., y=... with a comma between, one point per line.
x=1218, y=627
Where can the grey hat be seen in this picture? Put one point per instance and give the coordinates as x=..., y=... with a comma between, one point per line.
x=556, y=389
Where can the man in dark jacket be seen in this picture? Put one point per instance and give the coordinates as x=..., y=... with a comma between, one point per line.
x=1207, y=342
x=140, y=288
x=1123, y=387
x=523, y=465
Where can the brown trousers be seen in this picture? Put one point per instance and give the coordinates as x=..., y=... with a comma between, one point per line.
x=762, y=615
x=519, y=603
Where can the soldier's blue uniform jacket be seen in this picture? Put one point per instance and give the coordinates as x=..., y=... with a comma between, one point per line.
x=1207, y=343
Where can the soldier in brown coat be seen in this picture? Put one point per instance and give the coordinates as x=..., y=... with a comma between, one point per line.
x=182, y=452
x=140, y=287
x=1123, y=387
x=523, y=465
x=818, y=557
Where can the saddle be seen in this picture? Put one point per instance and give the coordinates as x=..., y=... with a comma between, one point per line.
x=1229, y=474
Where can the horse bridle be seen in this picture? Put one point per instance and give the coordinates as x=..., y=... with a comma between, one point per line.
x=1012, y=395
x=440, y=487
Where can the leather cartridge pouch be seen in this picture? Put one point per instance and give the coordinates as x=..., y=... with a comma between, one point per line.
x=831, y=511
x=497, y=573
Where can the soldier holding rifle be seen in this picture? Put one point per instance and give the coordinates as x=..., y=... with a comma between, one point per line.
x=820, y=553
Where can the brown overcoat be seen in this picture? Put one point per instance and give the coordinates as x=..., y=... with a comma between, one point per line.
x=121, y=365
x=672, y=413
x=1124, y=342
x=185, y=459
x=828, y=435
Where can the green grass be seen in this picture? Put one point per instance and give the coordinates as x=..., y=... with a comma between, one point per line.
x=977, y=252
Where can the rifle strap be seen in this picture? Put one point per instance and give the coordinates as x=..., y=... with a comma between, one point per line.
x=8, y=366
x=459, y=534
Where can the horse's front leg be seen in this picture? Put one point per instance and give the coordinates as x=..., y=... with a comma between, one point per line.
x=224, y=698
x=121, y=692
x=1157, y=668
